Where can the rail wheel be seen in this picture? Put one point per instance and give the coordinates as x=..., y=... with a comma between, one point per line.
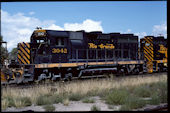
x=68, y=77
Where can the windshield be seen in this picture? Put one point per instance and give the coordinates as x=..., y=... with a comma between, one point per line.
x=40, y=41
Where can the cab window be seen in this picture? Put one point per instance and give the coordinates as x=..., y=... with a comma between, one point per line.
x=40, y=41
x=59, y=41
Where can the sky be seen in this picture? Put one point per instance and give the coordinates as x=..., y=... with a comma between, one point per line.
x=142, y=18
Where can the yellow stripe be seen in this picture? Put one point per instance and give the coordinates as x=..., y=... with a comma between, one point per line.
x=41, y=30
x=3, y=78
x=151, y=46
x=146, y=52
x=28, y=62
x=82, y=63
x=23, y=45
x=161, y=61
x=21, y=59
x=149, y=59
x=28, y=56
x=149, y=52
x=150, y=67
x=27, y=50
x=149, y=41
x=28, y=45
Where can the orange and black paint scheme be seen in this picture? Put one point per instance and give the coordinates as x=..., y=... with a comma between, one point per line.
x=59, y=51
x=63, y=54
x=154, y=53
x=24, y=56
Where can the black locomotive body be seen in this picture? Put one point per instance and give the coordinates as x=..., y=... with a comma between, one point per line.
x=52, y=54
x=69, y=46
x=63, y=54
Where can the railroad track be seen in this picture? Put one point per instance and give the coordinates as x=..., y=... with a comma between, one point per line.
x=48, y=83
x=161, y=107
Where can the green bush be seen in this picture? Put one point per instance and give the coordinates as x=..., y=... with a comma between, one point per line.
x=117, y=96
x=92, y=93
x=95, y=108
x=21, y=101
x=4, y=104
x=155, y=99
x=66, y=101
x=10, y=101
x=26, y=101
x=161, y=90
x=142, y=91
x=57, y=99
x=125, y=108
x=44, y=100
x=158, y=85
x=163, y=94
x=75, y=96
x=133, y=102
x=49, y=108
x=87, y=100
x=103, y=93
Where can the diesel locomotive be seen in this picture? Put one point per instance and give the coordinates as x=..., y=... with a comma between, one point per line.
x=56, y=55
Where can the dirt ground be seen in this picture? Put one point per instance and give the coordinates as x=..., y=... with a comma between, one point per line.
x=73, y=106
x=77, y=106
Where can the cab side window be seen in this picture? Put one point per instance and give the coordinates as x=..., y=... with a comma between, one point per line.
x=59, y=41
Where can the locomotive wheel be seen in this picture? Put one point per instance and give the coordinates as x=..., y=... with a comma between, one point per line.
x=68, y=77
x=136, y=71
x=18, y=78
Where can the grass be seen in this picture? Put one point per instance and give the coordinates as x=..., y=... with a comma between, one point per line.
x=49, y=99
x=4, y=104
x=142, y=91
x=49, y=108
x=22, y=102
x=26, y=101
x=134, y=103
x=10, y=101
x=95, y=108
x=116, y=97
x=44, y=100
x=75, y=96
x=125, y=108
x=156, y=91
x=113, y=91
x=155, y=100
x=123, y=97
x=87, y=100
x=66, y=102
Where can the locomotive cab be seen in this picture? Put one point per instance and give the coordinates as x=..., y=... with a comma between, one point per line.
x=39, y=46
x=49, y=49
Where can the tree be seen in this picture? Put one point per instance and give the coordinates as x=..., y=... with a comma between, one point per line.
x=3, y=51
x=13, y=54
